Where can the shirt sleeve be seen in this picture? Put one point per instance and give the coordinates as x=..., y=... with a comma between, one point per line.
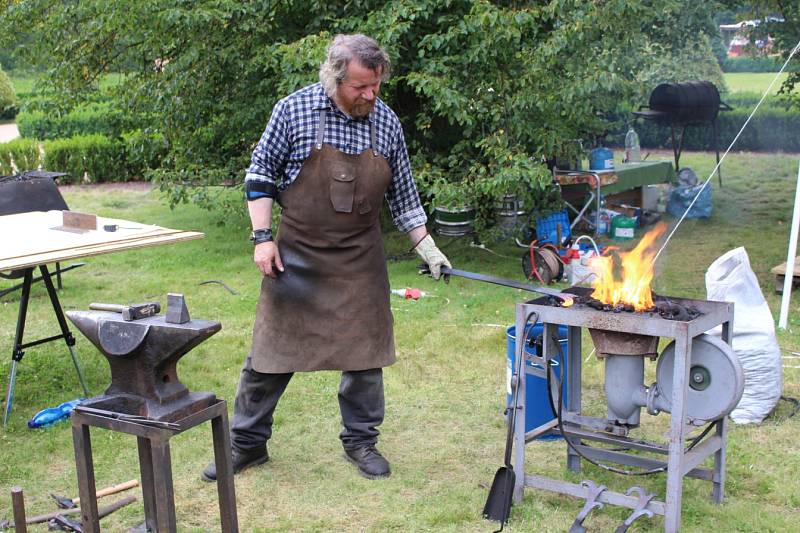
x=402, y=195
x=269, y=157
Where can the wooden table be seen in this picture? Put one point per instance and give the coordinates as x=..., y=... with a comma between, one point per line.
x=34, y=239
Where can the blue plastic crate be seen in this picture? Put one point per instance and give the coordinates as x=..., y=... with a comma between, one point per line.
x=550, y=227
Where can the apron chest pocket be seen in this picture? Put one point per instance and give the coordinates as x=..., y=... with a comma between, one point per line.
x=343, y=188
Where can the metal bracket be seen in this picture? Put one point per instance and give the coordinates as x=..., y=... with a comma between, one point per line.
x=640, y=509
x=594, y=492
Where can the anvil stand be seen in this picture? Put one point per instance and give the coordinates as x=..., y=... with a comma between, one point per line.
x=147, y=399
x=155, y=466
x=679, y=463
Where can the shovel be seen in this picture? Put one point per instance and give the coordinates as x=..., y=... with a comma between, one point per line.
x=498, y=503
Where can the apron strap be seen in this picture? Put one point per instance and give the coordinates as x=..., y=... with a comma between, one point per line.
x=372, y=138
x=321, y=128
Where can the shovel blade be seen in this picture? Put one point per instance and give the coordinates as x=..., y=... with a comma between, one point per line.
x=498, y=504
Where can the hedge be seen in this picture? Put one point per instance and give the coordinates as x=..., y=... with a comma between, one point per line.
x=94, y=117
x=24, y=152
x=753, y=64
x=99, y=157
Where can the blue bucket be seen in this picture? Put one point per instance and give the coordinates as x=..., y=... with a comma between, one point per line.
x=537, y=403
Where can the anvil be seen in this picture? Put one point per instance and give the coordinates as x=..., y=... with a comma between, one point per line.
x=143, y=356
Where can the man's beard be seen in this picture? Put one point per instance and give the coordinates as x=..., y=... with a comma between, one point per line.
x=362, y=108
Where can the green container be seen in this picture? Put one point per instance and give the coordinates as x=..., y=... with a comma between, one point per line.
x=623, y=228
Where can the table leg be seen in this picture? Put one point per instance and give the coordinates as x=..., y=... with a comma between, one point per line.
x=17, y=353
x=62, y=323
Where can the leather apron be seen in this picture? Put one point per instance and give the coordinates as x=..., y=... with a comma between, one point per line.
x=329, y=309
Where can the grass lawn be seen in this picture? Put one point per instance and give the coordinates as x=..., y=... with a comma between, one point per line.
x=25, y=83
x=444, y=430
x=752, y=82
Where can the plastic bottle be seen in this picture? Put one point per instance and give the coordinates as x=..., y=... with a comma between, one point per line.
x=574, y=263
x=633, y=152
x=51, y=415
x=604, y=222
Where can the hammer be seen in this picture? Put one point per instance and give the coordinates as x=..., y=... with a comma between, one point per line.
x=129, y=312
x=71, y=503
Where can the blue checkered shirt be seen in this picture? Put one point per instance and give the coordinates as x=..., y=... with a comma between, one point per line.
x=291, y=132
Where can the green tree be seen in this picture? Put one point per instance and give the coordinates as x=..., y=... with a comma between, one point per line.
x=780, y=22
x=487, y=90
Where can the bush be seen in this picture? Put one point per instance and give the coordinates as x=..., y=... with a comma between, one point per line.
x=143, y=151
x=25, y=154
x=101, y=158
x=94, y=117
x=8, y=98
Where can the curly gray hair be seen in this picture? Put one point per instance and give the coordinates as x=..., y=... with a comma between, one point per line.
x=344, y=49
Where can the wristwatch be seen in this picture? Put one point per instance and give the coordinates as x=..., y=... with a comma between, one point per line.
x=261, y=235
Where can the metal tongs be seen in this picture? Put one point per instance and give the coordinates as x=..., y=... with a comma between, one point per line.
x=566, y=299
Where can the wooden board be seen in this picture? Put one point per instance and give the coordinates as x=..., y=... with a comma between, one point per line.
x=780, y=275
x=29, y=239
x=781, y=269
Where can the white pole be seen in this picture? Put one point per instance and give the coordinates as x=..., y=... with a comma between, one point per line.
x=789, y=276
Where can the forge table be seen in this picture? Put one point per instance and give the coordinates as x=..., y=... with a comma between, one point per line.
x=580, y=429
x=593, y=185
x=35, y=239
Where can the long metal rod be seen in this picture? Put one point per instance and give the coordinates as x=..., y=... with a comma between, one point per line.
x=566, y=298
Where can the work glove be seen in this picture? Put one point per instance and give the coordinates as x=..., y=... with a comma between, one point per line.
x=432, y=256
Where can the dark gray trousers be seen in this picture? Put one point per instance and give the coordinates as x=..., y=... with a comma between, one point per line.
x=361, y=404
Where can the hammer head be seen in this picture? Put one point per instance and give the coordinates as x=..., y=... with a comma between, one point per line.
x=63, y=502
x=137, y=311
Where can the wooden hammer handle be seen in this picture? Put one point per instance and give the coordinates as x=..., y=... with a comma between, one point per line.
x=112, y=490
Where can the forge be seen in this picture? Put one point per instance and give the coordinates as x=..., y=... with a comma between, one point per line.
x=699, y=380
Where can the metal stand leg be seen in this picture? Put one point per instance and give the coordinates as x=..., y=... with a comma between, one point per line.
x=17, y=353
x=164, y=492
x=518, y=411
x=572, y=373
x=62, y=323
x=677, y=429
x=148, y=484
x=87, y=490
x=222, y=458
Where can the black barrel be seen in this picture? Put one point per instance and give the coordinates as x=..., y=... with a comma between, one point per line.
x=691, y=102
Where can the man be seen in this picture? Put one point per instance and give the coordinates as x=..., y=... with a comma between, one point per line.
x=330, y=153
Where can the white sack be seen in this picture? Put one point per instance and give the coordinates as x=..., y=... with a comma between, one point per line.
x=730, y=279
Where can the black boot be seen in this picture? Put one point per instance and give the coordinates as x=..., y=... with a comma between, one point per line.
x=241, y=461
x=371, y=464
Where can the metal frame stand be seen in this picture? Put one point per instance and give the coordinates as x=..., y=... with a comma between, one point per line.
x=18, y=351
x=578, y=428
x=594, y=196
x=155, y=466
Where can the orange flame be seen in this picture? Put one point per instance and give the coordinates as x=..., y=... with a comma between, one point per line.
x=637, y=273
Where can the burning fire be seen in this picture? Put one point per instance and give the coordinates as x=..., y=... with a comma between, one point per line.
x=637, y=273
